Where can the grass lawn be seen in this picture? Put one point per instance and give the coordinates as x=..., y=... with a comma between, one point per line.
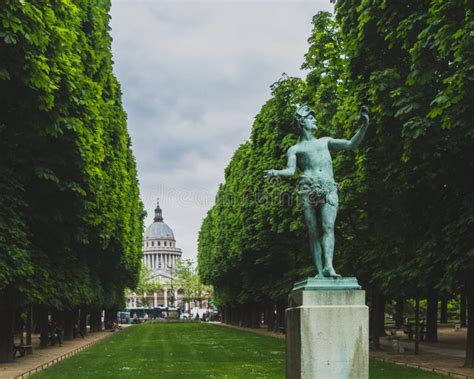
x=185, y=350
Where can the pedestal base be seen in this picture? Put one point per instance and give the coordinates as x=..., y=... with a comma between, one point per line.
x=327, y=334
x=172, y=314
x=327, y=283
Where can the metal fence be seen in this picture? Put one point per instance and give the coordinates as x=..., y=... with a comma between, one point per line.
x=58, y=359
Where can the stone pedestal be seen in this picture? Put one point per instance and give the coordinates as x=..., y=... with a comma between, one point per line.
x=172, y=314
x=327, y=332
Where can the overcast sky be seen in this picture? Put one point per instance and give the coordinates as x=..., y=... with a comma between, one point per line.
x=194, y=74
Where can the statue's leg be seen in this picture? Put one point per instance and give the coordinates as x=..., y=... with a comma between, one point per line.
x=312, y=225
x=328, y=219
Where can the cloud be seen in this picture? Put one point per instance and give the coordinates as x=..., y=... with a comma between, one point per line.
x=194, y=74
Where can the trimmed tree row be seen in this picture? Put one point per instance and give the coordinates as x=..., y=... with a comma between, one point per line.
x=71, y=219
x=406, y=200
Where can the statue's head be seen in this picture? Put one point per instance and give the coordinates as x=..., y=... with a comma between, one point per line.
x=305, y=117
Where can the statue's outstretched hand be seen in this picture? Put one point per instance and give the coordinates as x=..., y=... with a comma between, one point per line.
x=364, y=115
x=269, y=173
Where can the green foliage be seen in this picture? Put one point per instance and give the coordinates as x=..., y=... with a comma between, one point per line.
x=246, y=250
x=71, y=219
x=187, y=280
x=416, y=62
x=406, y=200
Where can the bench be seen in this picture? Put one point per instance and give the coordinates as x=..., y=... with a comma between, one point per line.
x=53, y=338
x=409, y=329
x=395, y=343
x=22, y=350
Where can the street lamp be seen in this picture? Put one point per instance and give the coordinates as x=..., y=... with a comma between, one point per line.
x=171, y=282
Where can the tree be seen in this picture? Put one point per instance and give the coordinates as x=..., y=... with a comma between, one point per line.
x=71, y=219
x=427, y=47
x=188, y=281
x=412, y=63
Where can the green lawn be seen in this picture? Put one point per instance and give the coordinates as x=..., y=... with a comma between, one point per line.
x=185, y=350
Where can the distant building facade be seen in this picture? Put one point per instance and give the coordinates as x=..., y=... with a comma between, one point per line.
x=160, y=256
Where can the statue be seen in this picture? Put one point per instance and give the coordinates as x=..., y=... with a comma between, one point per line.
x=317, y=187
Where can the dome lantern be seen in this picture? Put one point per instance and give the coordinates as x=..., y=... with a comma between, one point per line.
x=158, y=212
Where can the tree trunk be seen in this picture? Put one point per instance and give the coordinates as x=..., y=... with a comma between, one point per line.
x=36, y=319
x=22, y=329
x=107, y=319
x=417, y=324
x=463, y=310
x=243, y=315
x=377, y=303
x=399, y=309
x=280, y=317
x=432, y=316
x=371, y=305
x=43, y=325
x=76, y=322
x=237, y=313
x=232, y=316
x=246, y=316
x=93, y=324
x=255, y=320
x=29, y=326
x=270, y=316
x=381, y=314
x=225, y=315
x=7, y=321
x=110, y=318
x=251, y=315
x=229, y=315
x=68, y=326
x=469, y=290
x=83, y=320
x=99, y=321
x=54, y=316
x=443, y=318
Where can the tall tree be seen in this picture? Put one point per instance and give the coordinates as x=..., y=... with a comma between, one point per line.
x=71, y=218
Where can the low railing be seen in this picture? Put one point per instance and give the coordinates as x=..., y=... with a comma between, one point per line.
x=58, y=359
x=425, y=368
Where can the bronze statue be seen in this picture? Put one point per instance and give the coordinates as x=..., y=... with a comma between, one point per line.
x=317, y=187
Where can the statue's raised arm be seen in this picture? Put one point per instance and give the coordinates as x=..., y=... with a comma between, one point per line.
x=344, y=144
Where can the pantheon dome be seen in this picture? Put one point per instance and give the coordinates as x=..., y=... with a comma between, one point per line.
x=159, y=246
